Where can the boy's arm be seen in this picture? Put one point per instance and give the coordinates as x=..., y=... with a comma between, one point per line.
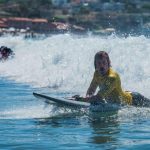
x=104, y=91
x=93, y=86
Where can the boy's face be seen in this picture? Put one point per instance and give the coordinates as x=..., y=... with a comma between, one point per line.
x=102, y=66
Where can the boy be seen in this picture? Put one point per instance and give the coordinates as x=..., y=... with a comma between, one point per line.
x=110, y=85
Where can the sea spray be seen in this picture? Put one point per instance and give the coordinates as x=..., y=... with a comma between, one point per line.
x=65, y=63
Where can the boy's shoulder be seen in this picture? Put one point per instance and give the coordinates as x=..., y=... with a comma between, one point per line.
x=113, y=73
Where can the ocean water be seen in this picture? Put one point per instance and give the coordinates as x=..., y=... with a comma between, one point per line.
x=62, y=65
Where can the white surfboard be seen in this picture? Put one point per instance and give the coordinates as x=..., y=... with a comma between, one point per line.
x=61, y=101
x=64, y=102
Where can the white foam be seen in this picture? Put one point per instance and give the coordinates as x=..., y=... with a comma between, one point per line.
x=66, y=62
x=29, y=112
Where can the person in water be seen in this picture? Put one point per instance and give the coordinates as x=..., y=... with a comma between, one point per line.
x=5, y=53
x=109, y=84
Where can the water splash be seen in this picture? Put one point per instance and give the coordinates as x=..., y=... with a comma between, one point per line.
x=65, y=63
x=38, y=111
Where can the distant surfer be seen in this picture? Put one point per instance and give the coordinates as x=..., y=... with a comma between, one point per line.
x=5, y=53
x=109, y=83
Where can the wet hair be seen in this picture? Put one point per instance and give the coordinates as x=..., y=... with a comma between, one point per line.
x=5, y=52
x=100, y=55
x=4, y=48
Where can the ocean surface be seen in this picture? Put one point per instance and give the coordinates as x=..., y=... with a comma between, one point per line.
x=62, y=65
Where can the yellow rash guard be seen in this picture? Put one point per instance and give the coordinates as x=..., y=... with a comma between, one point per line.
x=110, y=87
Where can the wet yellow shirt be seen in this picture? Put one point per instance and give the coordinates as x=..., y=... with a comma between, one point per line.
x=110, y=87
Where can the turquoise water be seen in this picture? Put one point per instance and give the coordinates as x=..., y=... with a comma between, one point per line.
x=44, y=66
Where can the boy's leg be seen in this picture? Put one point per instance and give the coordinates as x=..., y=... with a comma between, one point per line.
x=139, y=100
